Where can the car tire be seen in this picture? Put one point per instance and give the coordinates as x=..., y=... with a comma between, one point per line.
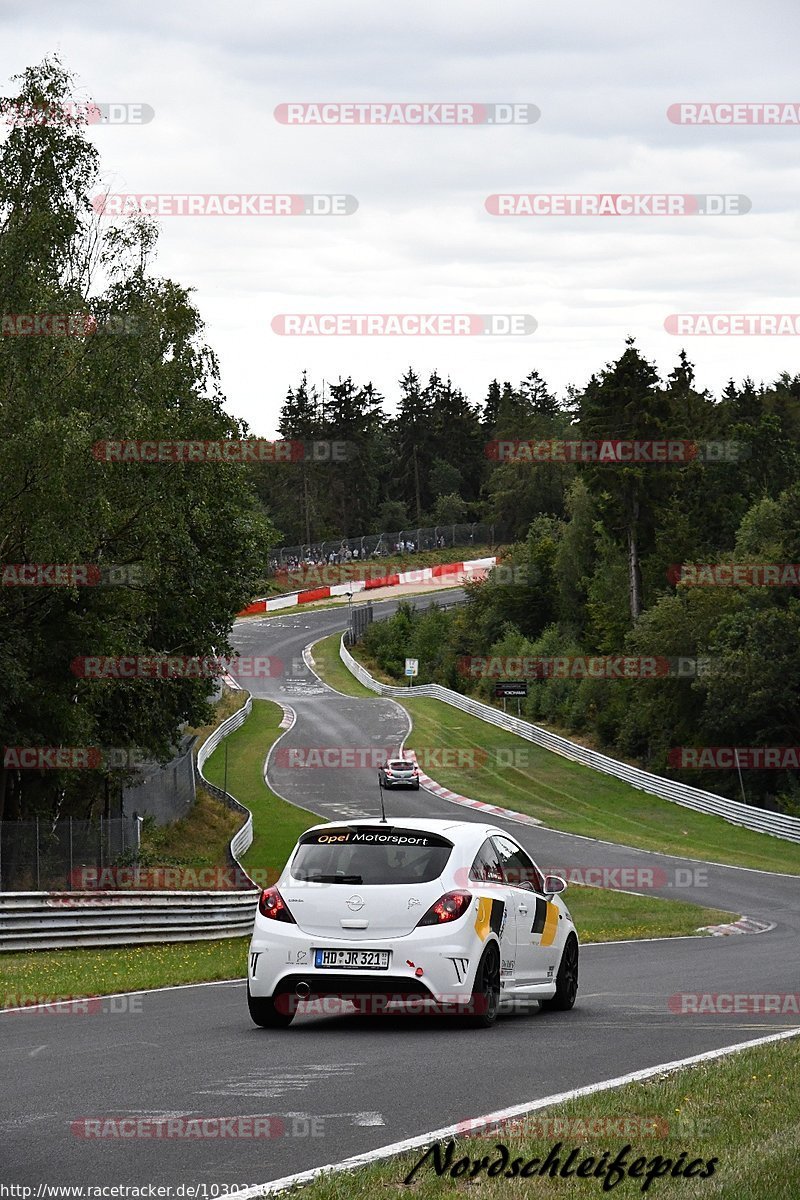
x=566, y=979
x=486, y=990
x=265, y=1013
x=416, y=786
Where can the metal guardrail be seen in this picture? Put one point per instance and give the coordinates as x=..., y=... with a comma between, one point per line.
x=241, y=841
x=757, y=819
x=53, y=920
x=37, y=921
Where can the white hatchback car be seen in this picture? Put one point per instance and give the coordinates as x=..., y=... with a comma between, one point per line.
x=444, y=916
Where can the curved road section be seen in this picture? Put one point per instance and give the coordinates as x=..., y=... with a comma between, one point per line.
x=182, y=1076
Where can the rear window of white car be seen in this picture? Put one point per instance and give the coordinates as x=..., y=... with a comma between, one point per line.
x=400, y=765
x=370, y=856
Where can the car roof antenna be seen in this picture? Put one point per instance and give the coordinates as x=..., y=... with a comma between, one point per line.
x=383, y=810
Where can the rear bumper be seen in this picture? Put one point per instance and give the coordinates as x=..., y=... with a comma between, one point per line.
x=330, y=995
x=281, y=958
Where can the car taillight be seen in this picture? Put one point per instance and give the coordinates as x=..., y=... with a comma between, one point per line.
x=448, y=908
x=271, y=904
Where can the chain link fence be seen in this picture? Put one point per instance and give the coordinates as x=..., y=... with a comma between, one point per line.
x=166, y=791
x=374, y=546
x=36, y=856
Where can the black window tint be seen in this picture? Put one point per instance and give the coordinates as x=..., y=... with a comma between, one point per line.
x=486, y=867
x=517, y=868
x=353, y=855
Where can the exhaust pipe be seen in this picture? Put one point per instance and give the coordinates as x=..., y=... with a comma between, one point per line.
x=302, y=990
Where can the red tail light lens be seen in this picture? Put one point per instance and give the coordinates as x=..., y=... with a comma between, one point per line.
x=448, y=908
x=271, y=904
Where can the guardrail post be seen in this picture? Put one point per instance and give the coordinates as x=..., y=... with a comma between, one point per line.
x=38, y=888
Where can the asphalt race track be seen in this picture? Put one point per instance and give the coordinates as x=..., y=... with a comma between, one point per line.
x=344, y=1085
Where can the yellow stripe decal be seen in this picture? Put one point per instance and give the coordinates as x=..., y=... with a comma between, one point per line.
x=550, y=925
x=483, y=917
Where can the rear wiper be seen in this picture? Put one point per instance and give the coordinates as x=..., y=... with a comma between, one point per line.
x=317, y=878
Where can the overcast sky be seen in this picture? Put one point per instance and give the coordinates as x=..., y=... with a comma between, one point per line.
x=421, y=241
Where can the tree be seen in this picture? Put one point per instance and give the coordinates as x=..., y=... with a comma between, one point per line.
x=537, y=397
x=144, y=373
x=625, y=402
x=354, y=415
x=412, y=447
x=449, y=510
x=300, y=420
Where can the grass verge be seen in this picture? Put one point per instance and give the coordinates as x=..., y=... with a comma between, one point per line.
x=565, y=795
x=606, y=915
x=29, y=978
x=199, y=839
x=735, y=1112
x=276, y=824
x=330, y=668
x=570, y=797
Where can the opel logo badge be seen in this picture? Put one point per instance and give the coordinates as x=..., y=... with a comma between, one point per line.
x=355, y=904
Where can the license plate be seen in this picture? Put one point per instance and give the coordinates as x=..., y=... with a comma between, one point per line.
x=374, y=960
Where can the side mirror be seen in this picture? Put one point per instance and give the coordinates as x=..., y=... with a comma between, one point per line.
x=553, y=884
